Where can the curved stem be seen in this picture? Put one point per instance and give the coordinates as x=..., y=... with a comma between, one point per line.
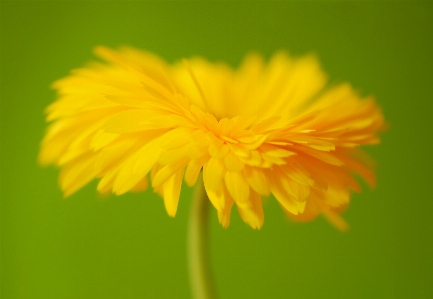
x=198, y=250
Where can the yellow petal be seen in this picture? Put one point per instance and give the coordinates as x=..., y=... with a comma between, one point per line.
x=232, y=162
x=168, y=171
x=146, y=158
x=237, y=186
x=282, y=196
x=217, y=198
x=296, y=191
x=252, y=213
x=133, y=120
x=77, y=173
x=213, y=174
x=193, y=169
x=105, y=185
x=110, y=157
x=218, y=150
x=175, y=138
x=224, y=211
x=171, y=192
x=129, y=175
x=332, y=216
x=257, y=180
x=102, y=139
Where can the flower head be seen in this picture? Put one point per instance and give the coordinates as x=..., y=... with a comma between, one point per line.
x=265, y=128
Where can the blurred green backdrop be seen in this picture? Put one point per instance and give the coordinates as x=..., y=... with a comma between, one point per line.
x=127, y=247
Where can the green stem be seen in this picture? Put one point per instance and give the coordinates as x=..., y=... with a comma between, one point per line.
x=198, y=249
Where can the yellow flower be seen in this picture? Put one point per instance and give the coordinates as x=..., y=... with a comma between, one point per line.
x=265, y=128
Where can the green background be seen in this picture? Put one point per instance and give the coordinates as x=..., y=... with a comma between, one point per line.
x=127, y=247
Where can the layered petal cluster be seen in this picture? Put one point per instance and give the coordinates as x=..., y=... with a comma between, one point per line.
x=264, y=128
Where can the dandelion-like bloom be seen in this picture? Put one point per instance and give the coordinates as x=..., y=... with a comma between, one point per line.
x=264, y=128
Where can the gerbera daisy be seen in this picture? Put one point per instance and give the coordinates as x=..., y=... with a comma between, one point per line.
x=265, y=128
